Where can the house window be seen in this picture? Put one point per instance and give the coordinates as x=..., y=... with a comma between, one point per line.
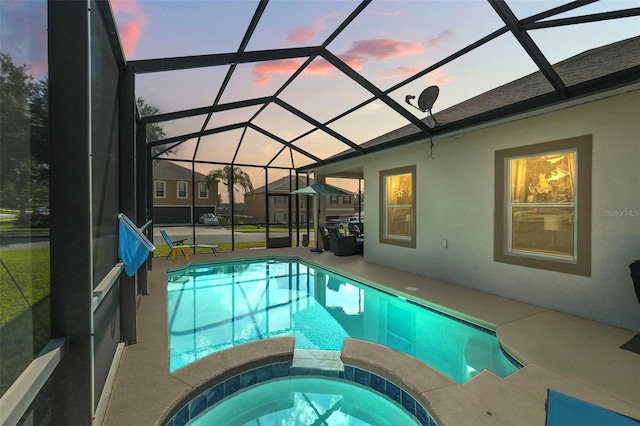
x=279, y=200
x=543, y=206
x=333, y=199
x=203, y=190
x=346, y=199
x=182, y=189
x=398, y=206
x=160, y=189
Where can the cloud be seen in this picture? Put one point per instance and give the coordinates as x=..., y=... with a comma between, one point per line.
x=382, y=49
x=319, y=67
x=439, y=39
x=356, y=57
x=438, y=77
x=361, y=52
x=130, y=18
x=262, y=72
x=303, y=33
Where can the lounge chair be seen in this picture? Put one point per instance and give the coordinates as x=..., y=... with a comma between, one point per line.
x=342, y=245
x=180, y=243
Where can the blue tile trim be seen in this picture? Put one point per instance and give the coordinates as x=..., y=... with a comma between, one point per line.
x=254, y=376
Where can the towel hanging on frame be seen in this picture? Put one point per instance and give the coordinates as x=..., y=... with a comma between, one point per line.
x=133, y=245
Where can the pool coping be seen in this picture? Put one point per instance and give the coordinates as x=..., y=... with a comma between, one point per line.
x=220, y=366
x=144, y=388
x=405, y=383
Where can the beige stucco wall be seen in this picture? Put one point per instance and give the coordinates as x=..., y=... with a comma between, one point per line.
x=171, y=194
x=456, y=201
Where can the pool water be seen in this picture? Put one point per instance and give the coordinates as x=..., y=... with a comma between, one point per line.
x=213, y=307
x=306, y=401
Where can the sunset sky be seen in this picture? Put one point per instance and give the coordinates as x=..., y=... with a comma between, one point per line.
x=387, y=43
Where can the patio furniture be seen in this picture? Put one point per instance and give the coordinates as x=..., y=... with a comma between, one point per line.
x=179, y=246
x=326, y=244
x=342, y=245
x=357, y=228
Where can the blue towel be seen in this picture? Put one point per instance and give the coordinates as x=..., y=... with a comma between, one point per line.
x=131, y=250
x=564, y=410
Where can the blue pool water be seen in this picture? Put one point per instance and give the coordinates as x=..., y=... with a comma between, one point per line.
x=306, y=401
x=216, y=306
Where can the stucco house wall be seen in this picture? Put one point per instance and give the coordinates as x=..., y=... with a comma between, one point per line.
x=455, y=201
x=254, y=203
x=171, y=209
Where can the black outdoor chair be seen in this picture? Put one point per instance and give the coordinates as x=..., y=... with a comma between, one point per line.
x=342, y=245
x=326, y=244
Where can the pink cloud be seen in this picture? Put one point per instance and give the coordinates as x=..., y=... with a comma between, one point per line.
x=361, y=52
x=383, y=49
x=439, y=77
x=305, y=33
x=262, y=72
x=355, y=57
x=319, y=67
x=130, y=18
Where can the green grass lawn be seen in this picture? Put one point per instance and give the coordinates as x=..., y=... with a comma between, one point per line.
x=163, y=250
x=24, y=324
x=30, y=269
x=272, y=229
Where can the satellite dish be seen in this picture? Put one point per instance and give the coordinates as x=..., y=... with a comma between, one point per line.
x=426, y=100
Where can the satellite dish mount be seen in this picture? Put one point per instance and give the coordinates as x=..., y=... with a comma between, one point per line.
x=425, y=101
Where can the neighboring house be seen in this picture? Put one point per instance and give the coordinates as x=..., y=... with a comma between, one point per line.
x=173, y=194
x=542, y=207
x=337, y=207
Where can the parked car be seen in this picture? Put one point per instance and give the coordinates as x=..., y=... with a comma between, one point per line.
x=209, y=219
x=41, y=211
x=352, y=220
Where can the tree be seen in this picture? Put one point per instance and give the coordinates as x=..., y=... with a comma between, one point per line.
x=23, y=137
x=155, y=132
x=226, y=175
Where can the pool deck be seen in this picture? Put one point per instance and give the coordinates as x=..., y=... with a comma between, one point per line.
x=572, y=355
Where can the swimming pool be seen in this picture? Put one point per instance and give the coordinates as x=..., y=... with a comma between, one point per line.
x=212, y=307
x=306, y=401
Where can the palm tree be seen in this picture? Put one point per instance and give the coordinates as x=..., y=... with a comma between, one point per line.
x=225, y=175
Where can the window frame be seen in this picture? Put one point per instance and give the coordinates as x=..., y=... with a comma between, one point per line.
x=200, y=186
x=333, y=199
x=164, y=189
x=384, y=238
x=186, y=190
x=580, y=264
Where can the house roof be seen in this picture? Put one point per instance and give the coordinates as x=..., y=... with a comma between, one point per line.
x=584, y=67
x=281, y=186
x=172, y=171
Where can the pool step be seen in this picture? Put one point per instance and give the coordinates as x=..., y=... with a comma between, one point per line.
x=318, y=359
